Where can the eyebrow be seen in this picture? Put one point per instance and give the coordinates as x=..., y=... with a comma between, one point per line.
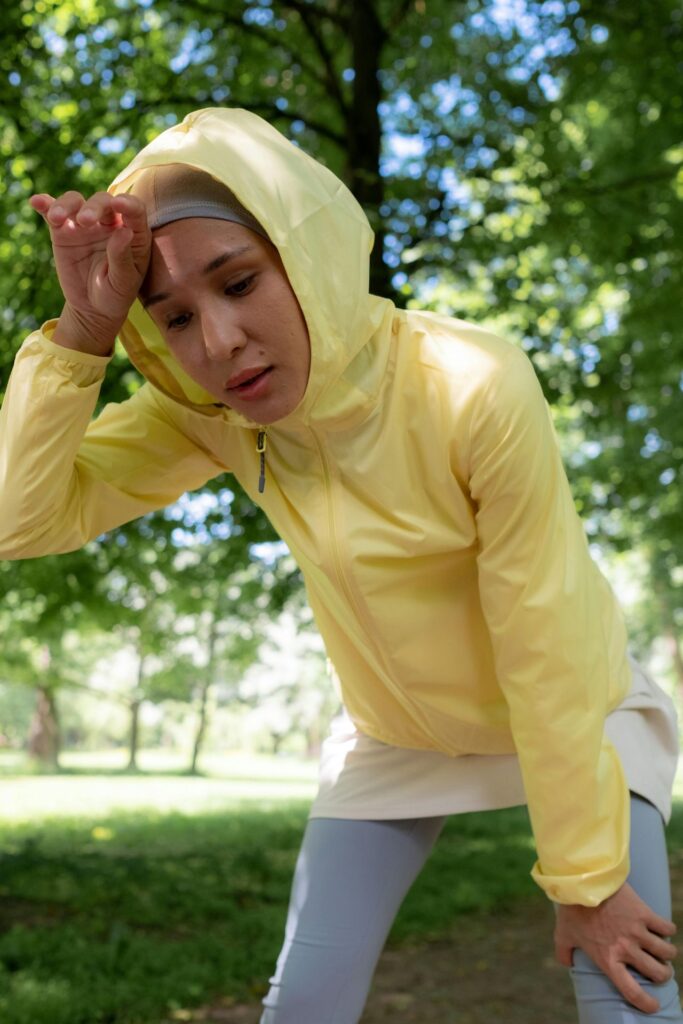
x=214, y=264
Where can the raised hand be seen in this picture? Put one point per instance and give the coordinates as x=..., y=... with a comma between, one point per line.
x=101, y=248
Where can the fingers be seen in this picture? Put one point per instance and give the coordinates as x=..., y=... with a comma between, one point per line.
x=652, y=920
x=63, y=208
x=41, y=202
x=563, y=954
x=100, y=209
x=128, y=256
x=659, y=925
x=650, y=965
x=107, y=209
x=632, y=991
x=131, y=210
x=648, y=962
x=620, y=936
x=120, y=258
x=659, y=948
x=56, y=211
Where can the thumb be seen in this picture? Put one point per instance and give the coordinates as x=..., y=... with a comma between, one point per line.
x=124, y=277
x=563, y=953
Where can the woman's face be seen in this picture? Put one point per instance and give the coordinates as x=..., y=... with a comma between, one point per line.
x=219, y=294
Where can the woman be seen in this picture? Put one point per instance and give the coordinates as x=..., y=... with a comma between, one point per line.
x=410, y=463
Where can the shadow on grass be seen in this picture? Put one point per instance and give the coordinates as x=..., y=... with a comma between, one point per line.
x=129, y=919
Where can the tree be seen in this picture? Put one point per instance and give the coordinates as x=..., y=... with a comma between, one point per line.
x=229, y=593
x=490, y=147
x=46, y=602
x=192, y=573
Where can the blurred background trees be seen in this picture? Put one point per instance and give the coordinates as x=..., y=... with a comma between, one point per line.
x=520, y=162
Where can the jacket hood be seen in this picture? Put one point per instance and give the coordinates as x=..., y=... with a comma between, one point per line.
x=322, y=235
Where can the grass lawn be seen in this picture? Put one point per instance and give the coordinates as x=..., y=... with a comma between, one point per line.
x=128, y=899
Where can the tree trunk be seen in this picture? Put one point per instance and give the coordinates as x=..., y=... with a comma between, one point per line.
x=43, y=736
x=314, y=739
x=135, y=706
x=676, y=657
x=364, y=131
x=669, y=627
x=203, y=700
x=134, y=735
x=277, y=739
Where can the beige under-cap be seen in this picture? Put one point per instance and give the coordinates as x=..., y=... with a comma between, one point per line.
x=175, y=191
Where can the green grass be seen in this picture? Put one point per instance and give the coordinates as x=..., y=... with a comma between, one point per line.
x=131, y=917
x=129, y=920
x=91, y=790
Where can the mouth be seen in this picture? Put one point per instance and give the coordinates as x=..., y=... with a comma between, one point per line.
x=245, y=378
x=250, y=383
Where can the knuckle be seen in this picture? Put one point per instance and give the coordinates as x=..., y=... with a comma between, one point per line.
x=664, y=973
x=132, y=205
x=70, y=198
x=99, y=201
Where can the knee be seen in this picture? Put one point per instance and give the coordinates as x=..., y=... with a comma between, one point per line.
x=599, y=1001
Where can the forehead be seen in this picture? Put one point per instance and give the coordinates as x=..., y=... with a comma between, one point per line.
x=195, y=233
x=193, y=245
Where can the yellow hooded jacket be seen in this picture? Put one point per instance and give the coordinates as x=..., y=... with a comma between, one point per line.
x=418, y=484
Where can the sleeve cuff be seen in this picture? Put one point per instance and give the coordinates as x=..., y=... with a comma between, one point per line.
x=70, y=355
x=589, y=889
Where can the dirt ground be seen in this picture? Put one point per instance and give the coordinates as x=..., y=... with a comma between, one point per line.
x=498, y=970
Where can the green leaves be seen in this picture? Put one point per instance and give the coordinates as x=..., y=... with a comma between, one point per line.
x=522, y=170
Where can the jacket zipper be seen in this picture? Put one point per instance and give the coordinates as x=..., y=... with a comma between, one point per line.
x=261, y=442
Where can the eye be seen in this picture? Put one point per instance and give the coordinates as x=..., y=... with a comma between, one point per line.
x=178, y=322
x=240, y=287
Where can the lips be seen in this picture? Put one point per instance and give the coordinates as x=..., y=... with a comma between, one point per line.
x=246, y=377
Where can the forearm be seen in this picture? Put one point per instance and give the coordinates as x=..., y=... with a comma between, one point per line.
x=50, y=399
x=558, y=637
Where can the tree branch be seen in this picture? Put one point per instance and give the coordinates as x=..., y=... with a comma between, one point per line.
x=268, y=39
x=230, y=19
x=267, y=110
x=307, y=9
x=330, y=78
x=316, y=126
x=399, y=15
x=618, y=186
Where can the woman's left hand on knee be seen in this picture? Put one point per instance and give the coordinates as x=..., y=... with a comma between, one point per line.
x=620, y=932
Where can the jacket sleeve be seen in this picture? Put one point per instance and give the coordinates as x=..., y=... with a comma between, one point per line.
x=558, y=639
x=65, y=480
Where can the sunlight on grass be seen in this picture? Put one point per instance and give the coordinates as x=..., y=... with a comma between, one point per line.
x=230, y=782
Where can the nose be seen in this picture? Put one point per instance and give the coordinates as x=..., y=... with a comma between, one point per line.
x=222, y=332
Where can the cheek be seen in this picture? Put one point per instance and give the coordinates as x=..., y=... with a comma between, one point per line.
x=184, y=354
x=293, y=316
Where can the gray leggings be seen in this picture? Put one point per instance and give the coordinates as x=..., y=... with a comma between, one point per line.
x=350, y=880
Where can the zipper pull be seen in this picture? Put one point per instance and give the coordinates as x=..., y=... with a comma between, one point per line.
x=261, y=449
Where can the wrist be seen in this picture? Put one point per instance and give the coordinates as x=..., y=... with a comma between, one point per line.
x=72, y=332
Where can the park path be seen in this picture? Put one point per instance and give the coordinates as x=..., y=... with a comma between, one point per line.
x=497, y=969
